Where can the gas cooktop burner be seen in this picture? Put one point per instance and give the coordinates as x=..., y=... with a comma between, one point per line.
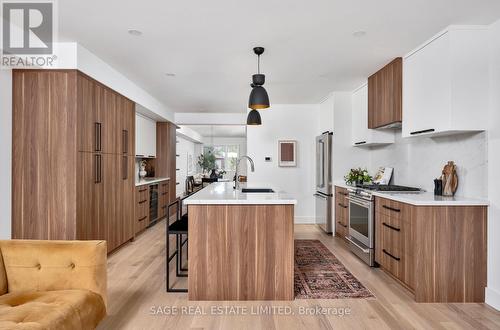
x=380, y=187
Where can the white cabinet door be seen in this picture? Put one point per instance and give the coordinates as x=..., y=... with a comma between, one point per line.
x=145, y=137
x=427, y=88
x=360, y=116
x=361, y=135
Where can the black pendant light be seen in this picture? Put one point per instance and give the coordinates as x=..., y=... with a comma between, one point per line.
x=258, y=99
x=254, y=118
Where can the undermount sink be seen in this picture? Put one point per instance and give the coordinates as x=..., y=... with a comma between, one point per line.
x=257, y=190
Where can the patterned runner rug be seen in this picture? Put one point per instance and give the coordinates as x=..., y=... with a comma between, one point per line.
x=320, y=275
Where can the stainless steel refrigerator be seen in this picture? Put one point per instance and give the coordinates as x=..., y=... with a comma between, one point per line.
x=324, y=194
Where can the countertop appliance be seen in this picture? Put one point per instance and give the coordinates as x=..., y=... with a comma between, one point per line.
x=362, y=218
x=324, y=195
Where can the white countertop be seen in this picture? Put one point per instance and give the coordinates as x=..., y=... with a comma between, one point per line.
x=223, y=193
x=145, y=181
x=425, y=198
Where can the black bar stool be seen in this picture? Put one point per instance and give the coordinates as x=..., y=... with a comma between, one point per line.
x=179, y=228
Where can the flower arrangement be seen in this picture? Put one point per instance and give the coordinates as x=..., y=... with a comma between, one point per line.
x=357, y=175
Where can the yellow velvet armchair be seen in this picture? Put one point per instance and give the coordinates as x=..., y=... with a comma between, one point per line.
x=52, y=284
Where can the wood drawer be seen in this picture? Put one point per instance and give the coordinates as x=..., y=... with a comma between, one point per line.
x=163, y=187
x=341, y=195
x=393, y=247
x=392, y=208
x=341, y=213
x=341, y=231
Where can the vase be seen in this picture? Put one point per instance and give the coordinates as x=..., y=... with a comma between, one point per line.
x=213, y=175
x=142, y=172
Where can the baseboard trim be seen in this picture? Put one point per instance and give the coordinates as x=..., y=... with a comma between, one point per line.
x=493, y=298
x=304, y=221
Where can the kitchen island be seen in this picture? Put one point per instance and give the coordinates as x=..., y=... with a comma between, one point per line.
x=240, y=244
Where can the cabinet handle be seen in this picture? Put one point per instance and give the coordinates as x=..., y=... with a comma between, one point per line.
x=390, y=255
x=340, y=223
x=423, y=131
x=98, y=166
x=97, y=137
x=143, y=190
x=391, y=227
x=163, y=193
x=359, y=143
x=343, y=206
x=125, y=167
x=125, y=141
x=142, y=202
x=140, y=156
x=143, y=218
x=391, y=208
x=343, y=193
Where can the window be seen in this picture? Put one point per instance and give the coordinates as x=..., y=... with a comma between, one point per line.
x=226, y=156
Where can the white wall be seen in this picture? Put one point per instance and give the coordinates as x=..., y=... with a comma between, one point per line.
x=287, y=122
x=6, y=152
x=184, y=147
x=493, y=289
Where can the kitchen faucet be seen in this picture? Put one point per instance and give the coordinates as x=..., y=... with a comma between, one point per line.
x=252, y=167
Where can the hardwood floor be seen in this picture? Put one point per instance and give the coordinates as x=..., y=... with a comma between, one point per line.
x=136, y=284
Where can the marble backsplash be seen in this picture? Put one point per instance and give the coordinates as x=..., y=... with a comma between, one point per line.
x=418, y=161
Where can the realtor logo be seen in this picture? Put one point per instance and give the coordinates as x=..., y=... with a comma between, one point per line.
x=27, y=28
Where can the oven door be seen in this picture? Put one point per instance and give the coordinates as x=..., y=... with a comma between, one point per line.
x=361, y=221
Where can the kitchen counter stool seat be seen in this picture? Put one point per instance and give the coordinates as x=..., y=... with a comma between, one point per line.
x=179, y=228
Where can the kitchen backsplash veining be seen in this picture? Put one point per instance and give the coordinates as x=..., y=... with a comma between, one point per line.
x=417, y=161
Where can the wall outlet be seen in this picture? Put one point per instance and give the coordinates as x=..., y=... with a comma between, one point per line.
x=267, y=159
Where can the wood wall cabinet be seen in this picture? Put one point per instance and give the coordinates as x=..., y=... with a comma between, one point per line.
x=362, y=136
x=438, y=252
x=385, y=96
x=446, y=83
x=166, y=157
x=73, y=144
x=341, y=212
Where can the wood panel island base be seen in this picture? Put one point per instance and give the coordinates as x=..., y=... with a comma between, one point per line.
x=240, y=245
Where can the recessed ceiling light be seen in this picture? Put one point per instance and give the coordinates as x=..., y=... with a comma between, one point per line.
x=359, y=34
x=170, y=74
x=134, y=32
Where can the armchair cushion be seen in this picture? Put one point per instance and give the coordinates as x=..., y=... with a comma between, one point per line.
x=63, y=309
x=32, y=265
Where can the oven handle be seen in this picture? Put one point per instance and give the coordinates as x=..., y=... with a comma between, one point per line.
x=357, y=245
x=359, y=202
x=320, y=196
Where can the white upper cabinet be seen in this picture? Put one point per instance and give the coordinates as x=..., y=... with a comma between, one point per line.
x=145, y=137
x=445, y=84
x=362, y=136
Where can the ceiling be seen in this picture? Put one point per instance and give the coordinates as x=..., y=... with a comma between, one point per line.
x=310, y=46
x=219, y=130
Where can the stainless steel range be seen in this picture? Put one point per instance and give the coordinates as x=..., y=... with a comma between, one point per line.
x=362, y=219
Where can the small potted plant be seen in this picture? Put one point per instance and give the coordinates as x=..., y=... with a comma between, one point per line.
x=357, y=176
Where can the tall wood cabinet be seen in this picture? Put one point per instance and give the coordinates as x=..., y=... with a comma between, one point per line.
x=73, y=153
x=166, y=157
